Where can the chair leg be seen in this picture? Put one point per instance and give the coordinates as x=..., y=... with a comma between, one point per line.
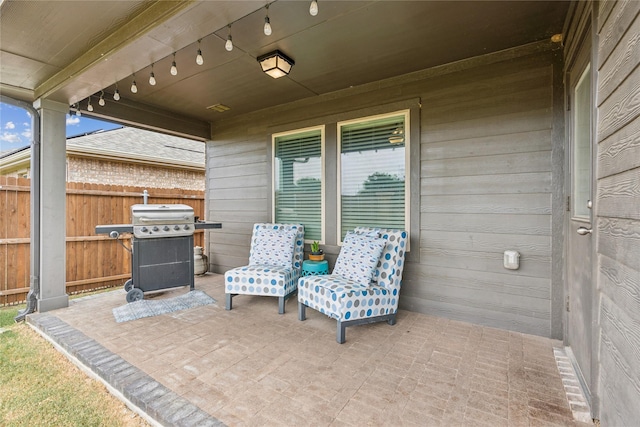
x=280, y=305
x=340, y=332
x=302, y=311
x=392, y=320
x=228, y=304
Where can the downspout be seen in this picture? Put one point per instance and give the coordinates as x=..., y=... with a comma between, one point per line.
x=34, y=247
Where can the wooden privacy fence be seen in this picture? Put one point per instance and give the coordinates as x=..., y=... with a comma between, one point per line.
x=93, y=261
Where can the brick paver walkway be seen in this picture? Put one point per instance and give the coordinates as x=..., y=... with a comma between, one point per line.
x=251, y=366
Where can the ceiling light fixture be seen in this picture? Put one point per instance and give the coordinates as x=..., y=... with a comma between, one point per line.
x=89, y=106
x=116, y=94
x=267, y=23
x=174, y=68
x=152, y=77
x=229, y=44
x=78, y=113
x=313, y=8
x=276, y=64
x=101, y=100
x=199, y=58
x=134, y=87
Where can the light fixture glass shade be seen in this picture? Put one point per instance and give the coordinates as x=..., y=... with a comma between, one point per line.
x=101, y=100
x=116, y=95
x=134, y=87
x=199, y=58
x=152, y=79
x=229, y=44
x=89, y=106
x=276, y=64
x=313, y=8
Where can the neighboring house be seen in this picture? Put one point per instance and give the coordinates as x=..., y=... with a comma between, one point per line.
x=124, y=156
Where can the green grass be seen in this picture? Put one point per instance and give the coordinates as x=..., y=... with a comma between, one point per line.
x=40, y=387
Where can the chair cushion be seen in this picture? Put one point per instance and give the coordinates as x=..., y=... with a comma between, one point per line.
x=273, y=247
x=359, y=257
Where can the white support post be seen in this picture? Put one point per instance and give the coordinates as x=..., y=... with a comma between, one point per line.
x=53, y=178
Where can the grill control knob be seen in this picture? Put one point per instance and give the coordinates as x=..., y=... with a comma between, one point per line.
x=166, y=228
x=155, y=229
x=186, y=227
x=176, y=227
x=144, y=229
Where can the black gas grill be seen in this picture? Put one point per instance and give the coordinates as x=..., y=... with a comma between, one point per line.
x=161, y=247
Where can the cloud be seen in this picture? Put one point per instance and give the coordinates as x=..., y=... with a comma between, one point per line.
x=26, y=134
x=73, y=120
x=27, y=125
x=10, y=137
x=9, y=125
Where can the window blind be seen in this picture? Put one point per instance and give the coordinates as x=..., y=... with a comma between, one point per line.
x=372, y=173
x=298, y=181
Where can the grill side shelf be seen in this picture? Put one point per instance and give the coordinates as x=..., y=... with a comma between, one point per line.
x=120, y=228
x=207, y=225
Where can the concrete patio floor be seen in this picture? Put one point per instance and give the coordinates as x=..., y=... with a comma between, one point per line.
x=251, y=366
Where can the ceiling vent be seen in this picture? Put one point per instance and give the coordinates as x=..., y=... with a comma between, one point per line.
x=220, y=108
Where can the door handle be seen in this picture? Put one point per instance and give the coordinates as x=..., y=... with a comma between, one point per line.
x=583, y=231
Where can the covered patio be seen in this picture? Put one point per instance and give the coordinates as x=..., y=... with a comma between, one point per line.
x=520, y=124
x=251, y=366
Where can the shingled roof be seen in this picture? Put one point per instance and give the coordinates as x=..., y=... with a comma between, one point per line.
x=132, y=143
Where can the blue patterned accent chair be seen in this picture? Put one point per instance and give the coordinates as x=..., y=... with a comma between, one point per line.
x=275, y=263
x=364, y=286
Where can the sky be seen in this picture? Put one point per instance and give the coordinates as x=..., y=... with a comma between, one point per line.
x=16, y=127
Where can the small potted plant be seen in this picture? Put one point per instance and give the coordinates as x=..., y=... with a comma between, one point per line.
x=316, y=254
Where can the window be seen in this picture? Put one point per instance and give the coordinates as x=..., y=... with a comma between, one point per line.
x=298, y=184
x=582, y=146
x=373, y=166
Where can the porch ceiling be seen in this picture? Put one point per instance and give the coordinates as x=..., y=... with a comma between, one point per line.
x=70, y=50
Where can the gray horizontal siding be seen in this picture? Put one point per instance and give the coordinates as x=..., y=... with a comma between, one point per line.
x=618, y=213
x=485, y=185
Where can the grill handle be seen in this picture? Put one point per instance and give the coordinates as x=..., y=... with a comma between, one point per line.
x=161, y=220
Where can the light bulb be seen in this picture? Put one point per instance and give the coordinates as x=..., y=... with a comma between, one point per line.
x=134, y=87
x=152, y=79
x=199, y=58
x=313, y=9
x=267, y=26
x=116, y=95
x=229, y=44
x=78, y=113
x=89, y=106
x=101, y=100
x=174, y=68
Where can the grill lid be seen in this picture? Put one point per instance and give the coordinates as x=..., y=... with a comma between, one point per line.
x=161, y=214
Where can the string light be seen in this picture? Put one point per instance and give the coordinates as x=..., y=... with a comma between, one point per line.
x=199, y=58
x=313, y=8
x=89, y=106
x=101, y=100
x=78, y=113
x=152, y=77
x=267, y=23
x=134, y=87
x=116, y=94
x=174, y=68
x=229, y=44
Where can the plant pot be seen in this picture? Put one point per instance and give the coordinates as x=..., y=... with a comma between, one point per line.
x=316, y=257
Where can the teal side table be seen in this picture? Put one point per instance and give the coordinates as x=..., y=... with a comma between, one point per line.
x=315, y=268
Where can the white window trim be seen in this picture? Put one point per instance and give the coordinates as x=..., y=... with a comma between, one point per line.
x=321, y=128
x=407, y=180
